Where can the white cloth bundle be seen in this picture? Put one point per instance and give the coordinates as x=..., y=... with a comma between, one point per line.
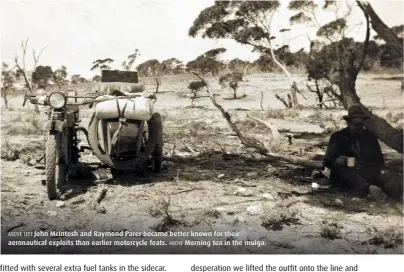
x=138, y=108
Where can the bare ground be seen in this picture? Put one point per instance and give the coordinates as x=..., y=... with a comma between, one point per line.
x=220, y=186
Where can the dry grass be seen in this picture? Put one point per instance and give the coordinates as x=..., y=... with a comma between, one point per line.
x=196, y=127
x=275, y=114
x=389, y=238
x=159, y=205
x=13, y=151
x=276, y=217
x=212, y=213
x=30, y=124
x=331, y=231
x=10, y=152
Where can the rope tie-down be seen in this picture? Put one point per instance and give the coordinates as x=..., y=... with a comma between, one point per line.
x=154, y=130
x=122, y=123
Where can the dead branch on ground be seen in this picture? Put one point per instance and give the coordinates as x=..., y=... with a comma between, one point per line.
x=95, y=203
x=15, y=227
x=261, y=149
x=276, y=136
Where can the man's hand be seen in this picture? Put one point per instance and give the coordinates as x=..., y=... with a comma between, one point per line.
x=341, y=160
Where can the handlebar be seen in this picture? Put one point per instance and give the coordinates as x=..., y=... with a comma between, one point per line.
x=33, y=99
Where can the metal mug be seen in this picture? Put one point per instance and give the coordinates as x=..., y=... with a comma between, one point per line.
x=351, y=162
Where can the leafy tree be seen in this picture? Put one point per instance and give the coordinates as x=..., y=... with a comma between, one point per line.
x=215, y=53
x=76, y=79
x=236, y=71
x=389, y=57
x=264, y=63
x=8, y=78
x=301, y=57
x=195, y=87
x=238, y=64
x=96, y=78
x=131, y=59
x=345, y=57
x=102, y=64
x=246, y=22
x=204, y=65
x=207, y=62
x=60, y=76
x=148, y=68
x=171, y=66
x=151, y=68
x=394, y=43
x=42, y=75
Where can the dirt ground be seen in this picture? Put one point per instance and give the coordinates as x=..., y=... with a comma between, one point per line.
x=213, y=183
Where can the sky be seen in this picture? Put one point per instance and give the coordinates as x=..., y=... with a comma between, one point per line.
x=77, y=32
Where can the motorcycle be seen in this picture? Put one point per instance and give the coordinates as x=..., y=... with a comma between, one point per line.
x=122, y=142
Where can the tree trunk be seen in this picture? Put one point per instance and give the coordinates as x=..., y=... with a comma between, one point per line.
x=5, y=102
x=293, y=92
x=382, y=29
x=378, y=126
x=293, y=86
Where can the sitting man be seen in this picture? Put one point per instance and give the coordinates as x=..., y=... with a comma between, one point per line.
x=356, y=142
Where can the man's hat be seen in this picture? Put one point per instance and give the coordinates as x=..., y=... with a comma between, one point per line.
x=355, y=111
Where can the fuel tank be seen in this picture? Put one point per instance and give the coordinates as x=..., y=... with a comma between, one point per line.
x=126, y=144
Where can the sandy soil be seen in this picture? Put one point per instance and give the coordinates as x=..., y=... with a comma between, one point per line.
x=222, y=186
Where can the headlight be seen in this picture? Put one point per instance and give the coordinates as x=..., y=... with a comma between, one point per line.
x=57, y=100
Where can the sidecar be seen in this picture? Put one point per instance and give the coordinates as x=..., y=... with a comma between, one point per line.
x=125, y=133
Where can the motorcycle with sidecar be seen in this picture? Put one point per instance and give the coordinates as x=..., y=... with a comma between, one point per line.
x=124, y=132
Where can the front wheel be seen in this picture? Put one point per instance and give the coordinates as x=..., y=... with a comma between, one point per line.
x=55, y=167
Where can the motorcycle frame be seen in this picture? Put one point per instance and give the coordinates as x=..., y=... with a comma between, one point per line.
x=66, y=118
x=66, y=121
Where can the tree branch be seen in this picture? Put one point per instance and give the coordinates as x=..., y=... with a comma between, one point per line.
x=258, y=147
x=366, y=43
x=381, y=28
x=23, y=71
x=276, y=136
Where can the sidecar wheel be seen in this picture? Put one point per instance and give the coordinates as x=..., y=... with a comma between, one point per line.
x=116, y=173
x=157, y=159
x=55, y=168
x=156, y=131
x=155, y=136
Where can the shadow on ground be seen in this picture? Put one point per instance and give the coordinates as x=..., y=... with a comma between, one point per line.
x=244, y=171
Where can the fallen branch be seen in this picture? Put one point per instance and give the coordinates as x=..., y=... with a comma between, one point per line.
x=276, y=136
x=190, y=122
x=249, y=143
x=15, y=226
x=184, y=191
x=101, y=195
x=191, y=149
x=95, y=203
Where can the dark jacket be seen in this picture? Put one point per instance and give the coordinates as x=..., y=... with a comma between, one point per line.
x=369, y=157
